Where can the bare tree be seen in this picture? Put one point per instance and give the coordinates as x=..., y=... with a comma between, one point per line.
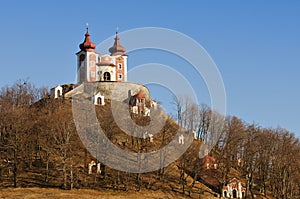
x=60, y=130
x=187, y=119
x=285, y=159
x=15, y=102
x=231, y=147
x=204, y=122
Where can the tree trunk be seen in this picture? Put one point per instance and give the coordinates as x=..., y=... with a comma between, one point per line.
x=71, y=178
x=64, y=175
x=15, y=170
x=138, y=180
x=47, y=167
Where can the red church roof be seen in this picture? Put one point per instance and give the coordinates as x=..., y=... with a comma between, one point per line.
x=208, y=159
x=140, y=96
x=87, y=45
x=117, y=48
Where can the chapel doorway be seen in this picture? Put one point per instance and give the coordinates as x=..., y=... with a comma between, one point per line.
x=106, y=76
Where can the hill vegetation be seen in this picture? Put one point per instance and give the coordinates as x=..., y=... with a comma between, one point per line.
x=39, y=147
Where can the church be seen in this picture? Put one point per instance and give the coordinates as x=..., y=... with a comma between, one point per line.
x=93, y=67
x=107, y=73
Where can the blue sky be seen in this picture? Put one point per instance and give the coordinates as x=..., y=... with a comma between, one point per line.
x=255, y=44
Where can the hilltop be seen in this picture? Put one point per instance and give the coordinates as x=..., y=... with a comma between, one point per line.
x=40, y=148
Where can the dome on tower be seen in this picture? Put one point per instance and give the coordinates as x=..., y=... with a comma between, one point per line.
x=117, y=49
x=87, y=45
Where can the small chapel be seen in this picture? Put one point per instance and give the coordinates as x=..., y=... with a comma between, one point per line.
x=234, y=189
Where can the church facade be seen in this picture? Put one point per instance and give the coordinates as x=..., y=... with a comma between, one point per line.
x=93, y=67
x=234, y=189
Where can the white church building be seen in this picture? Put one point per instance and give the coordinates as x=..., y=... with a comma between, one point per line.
x=92, y=67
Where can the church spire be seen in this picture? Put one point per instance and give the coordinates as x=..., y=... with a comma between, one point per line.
x=117, y=48
x=87, y=45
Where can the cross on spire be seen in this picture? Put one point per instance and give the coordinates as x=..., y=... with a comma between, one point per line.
x=87, y=45
x=117, y=48
x=117, y=29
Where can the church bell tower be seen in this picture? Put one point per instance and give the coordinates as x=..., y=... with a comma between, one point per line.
x=86, y=60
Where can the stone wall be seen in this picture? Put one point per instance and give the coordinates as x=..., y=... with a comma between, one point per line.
x=119, y=91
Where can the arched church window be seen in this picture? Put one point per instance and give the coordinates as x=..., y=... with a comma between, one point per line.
x=92, y=63
x=119, y=66
x=82, y=57
x=120, y=76
x=106, y=76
